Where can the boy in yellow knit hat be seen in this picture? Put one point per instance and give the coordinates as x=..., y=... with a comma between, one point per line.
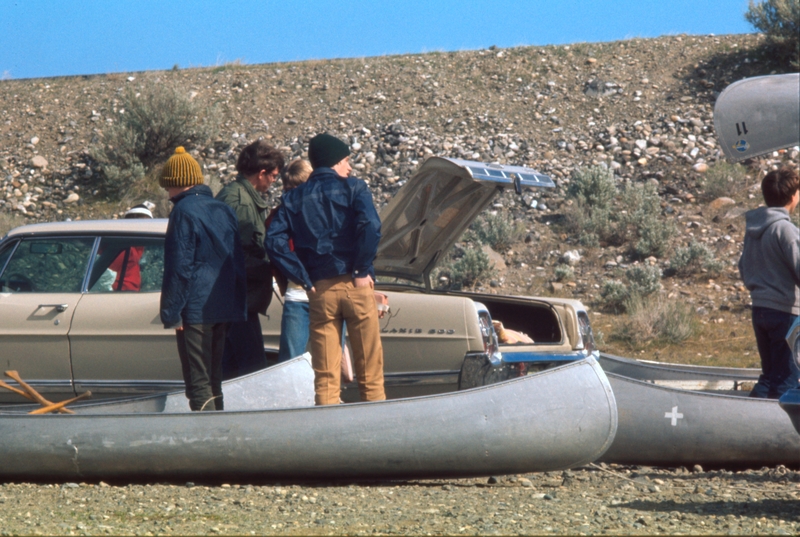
x=204, y=279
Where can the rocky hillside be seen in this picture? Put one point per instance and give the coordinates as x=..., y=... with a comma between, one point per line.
x=642, y=106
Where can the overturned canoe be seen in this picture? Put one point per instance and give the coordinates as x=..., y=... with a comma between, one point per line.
x=287, y=384
x=661, y=424
x=556, y=419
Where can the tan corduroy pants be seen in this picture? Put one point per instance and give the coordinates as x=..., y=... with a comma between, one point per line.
x=336, y=300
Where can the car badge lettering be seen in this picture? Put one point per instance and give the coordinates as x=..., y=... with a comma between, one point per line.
x=447, y=331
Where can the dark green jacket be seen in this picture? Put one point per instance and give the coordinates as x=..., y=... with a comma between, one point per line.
x=251, y=212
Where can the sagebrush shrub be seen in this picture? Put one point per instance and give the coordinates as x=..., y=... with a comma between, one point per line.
x=592, y=216
x=563, y=273
x=694, y=259
x=594, y=186
x=601, y=213
x=653, y=318
x=723, y=179
x=650, y=234
x=613, y=294
x=780, y=21
x=464, y=268
x=643, y=280
x=150, y=125
x=498, y=230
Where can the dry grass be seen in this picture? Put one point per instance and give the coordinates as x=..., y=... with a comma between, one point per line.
x=9, y=221
x=658, y=320
x=723, y=339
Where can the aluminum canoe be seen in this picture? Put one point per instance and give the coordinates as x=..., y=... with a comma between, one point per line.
x=758, y=115
x=790, y=403
x=556, y=419
x=684, y=376
x=667, y=426
x=287, y=384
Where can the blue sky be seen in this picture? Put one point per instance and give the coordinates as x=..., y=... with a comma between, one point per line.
x=40, y=38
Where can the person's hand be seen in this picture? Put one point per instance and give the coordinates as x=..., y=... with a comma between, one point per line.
x=179, y=328
x=366, y=281
x=312, y=290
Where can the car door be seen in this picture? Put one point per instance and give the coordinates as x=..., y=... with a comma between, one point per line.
x=40, y=288
x=119, y=346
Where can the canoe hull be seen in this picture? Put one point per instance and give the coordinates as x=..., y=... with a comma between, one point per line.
x=790, y=403
x=758, y=115
x=663, y=426
x=557, y=419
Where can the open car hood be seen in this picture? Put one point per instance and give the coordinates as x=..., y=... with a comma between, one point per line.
x=430, y=212
x=758, y=115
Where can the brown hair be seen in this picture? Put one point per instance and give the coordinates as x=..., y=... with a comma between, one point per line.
x=779, y=186
x=296, y=173
x=259, y=156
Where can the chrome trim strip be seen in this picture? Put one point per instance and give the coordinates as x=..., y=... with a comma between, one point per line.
x=517, y=357
x=90, y=265
x=36, y=383
x=128, y=386
x=426, y=378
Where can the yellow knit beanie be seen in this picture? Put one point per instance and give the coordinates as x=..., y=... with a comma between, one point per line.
x=181, y=170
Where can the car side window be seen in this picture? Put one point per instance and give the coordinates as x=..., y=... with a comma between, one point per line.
x=128, y=264
x=48, y=265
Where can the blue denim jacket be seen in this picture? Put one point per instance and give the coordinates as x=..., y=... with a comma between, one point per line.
x=333, y=224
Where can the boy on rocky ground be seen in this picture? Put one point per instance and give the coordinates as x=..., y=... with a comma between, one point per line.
x=770, y=269
x=258, y=165
x=204, y=278
x=335, y=230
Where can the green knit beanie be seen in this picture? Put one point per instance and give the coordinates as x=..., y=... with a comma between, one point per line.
x=325, y=151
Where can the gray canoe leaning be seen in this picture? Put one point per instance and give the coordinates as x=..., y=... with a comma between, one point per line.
x=287, y=384
x=556, y=419
x=663, y=425
x=758, y=115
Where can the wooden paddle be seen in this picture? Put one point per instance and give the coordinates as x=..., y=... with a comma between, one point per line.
x=60, y=405
x=33, y=393
x=15, y=390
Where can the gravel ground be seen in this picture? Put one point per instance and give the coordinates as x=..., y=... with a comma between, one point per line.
x=597, y=499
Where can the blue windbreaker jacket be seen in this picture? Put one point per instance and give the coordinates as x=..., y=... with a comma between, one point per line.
x=204, y=279
x=334, y=226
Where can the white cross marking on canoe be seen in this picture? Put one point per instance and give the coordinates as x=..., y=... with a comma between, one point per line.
x=675, y=415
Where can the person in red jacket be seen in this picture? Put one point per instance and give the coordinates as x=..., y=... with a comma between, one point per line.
x=126, y=264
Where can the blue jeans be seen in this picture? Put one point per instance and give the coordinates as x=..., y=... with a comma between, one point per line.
x=779, y=372
x=244, y=348
x=294, y=330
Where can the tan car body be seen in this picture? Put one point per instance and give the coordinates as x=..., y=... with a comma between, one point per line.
x=88, y=336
